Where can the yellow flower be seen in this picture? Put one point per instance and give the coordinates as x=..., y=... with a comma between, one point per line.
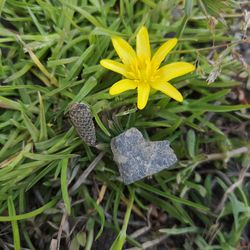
x=141, y=70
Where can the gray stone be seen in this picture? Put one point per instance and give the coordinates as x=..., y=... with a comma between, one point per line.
x=138, y=158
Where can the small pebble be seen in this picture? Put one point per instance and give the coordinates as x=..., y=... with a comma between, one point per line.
x=137, y=158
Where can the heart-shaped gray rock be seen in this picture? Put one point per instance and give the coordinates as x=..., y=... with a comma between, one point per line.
x=138, y=158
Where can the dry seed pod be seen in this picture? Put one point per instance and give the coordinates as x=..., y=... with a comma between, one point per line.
x=80, y=115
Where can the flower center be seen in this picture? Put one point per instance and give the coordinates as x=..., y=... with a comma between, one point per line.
x=142, y=71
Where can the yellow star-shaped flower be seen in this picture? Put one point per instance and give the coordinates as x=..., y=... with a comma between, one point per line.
x=141, y=70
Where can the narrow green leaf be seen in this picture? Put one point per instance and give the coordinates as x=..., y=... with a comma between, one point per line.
x=11, y=141
x=9, y=104
x=150, y=3
x=178, y=231
x=34, y=132
x=14, y=224
x=100, y=212
x=166, y=206
x=15, y=160
x=170, y=196
x=101, y=125
x=47, y=157
x=33, y=87
x=41, y=174
x=87, y=87
x=30, y=214
x=38, y=25
x=78, y=64
x=120, y=240
x=219, y=108
x=85, y=14
x=26, y=66
x=43, y=126
x=74, y=244
x=64, y=184
x=81, y=238
x=212, y=96
x=1, y=6
x=191, y=143
x=90, y=238
x=188, y=7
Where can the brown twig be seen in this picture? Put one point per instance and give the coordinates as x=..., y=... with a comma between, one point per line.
x=144, y=229
x=140, y=232
x=86, y=173
x=150, y=243
x=231, y=189
x=101, y=194
x=210, y=48
x=59, y=235
x=226, y=155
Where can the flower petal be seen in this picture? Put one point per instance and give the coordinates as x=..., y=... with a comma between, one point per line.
x=162, y=52
x=122, y=86
x=142, y=44
x=169, y=90
x=173, y=70
x=115, y=66
x=124, y=50
x=142, y=94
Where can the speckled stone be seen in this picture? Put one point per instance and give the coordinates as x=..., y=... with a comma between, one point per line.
x=138, y=158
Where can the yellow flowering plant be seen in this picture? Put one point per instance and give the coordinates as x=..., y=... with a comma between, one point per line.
x=141, y=70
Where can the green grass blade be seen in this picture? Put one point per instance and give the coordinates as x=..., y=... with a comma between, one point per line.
x=43, y=126
x=30, y=214
x=64, y=185
x=120, y=240
x=14, y=224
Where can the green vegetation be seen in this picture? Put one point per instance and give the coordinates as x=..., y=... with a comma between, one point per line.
x=50, y=54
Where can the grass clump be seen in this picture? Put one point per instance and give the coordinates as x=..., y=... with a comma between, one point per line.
x=56, y=191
